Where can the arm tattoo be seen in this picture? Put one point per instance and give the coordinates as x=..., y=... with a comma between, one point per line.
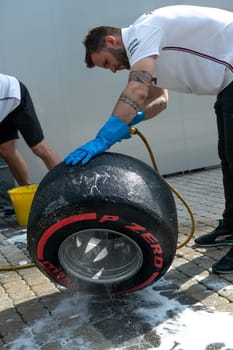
x=130, y=101
x=141, y=76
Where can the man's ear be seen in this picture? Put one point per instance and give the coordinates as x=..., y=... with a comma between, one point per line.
x=109, y=39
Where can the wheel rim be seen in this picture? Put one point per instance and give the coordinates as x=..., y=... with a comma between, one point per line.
x=100, y=256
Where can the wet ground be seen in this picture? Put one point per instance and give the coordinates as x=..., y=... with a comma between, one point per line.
x=190, y=308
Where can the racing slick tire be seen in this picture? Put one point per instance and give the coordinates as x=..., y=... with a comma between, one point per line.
x=107, y=228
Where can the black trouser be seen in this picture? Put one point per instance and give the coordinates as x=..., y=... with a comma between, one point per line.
x=23, y=119
x=224, y=112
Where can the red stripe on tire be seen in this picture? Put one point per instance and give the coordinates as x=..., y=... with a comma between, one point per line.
x=58, y=225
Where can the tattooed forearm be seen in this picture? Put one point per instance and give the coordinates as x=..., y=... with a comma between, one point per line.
x=140, y=76
x=130, y=101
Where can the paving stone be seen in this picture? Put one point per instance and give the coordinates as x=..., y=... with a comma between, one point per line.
x=214, y=300
x=8, y=276
x=177, y=262
x=227, y=292
x=190, y=269
x=195, y=290
x=33, y=276
x=19, y=291
x=204, y=261
x=51, y=302
x=10, y=325
x=54, y=345
x=6, y=302
x=176, y=276
x=216, y=254
x=44, y=289
x=190, y=283
x=30, y=304
x=30, y=312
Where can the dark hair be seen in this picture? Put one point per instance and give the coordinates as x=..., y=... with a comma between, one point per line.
x=95, y=41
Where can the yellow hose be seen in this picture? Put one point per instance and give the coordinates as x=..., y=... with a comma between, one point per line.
x=135, y=131
x=16, y=267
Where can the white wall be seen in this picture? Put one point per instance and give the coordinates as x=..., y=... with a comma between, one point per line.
x=41, y=44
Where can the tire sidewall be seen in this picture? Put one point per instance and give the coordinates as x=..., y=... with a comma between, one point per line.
x=156, y=243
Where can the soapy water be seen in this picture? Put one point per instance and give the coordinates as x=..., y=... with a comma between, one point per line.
x=149, y=319
x=19, y=238
x=142, y=320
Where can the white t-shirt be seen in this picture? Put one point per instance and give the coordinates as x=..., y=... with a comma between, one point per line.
x=193, y=45
x=9, y=95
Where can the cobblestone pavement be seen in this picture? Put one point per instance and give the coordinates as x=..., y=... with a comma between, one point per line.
x=36, y=314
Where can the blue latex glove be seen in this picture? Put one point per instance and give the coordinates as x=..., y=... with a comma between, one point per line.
x=139, y=117
x=114, y=130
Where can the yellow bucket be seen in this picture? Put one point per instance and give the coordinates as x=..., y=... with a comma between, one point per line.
x=21, y=199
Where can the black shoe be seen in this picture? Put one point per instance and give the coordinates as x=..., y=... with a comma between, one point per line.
x=225, y=264
x=219, y=237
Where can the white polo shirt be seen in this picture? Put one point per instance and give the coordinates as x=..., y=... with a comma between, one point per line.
x=193, y=45
x=9, y=95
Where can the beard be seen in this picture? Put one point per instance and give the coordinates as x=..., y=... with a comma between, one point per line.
x=121, y=57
